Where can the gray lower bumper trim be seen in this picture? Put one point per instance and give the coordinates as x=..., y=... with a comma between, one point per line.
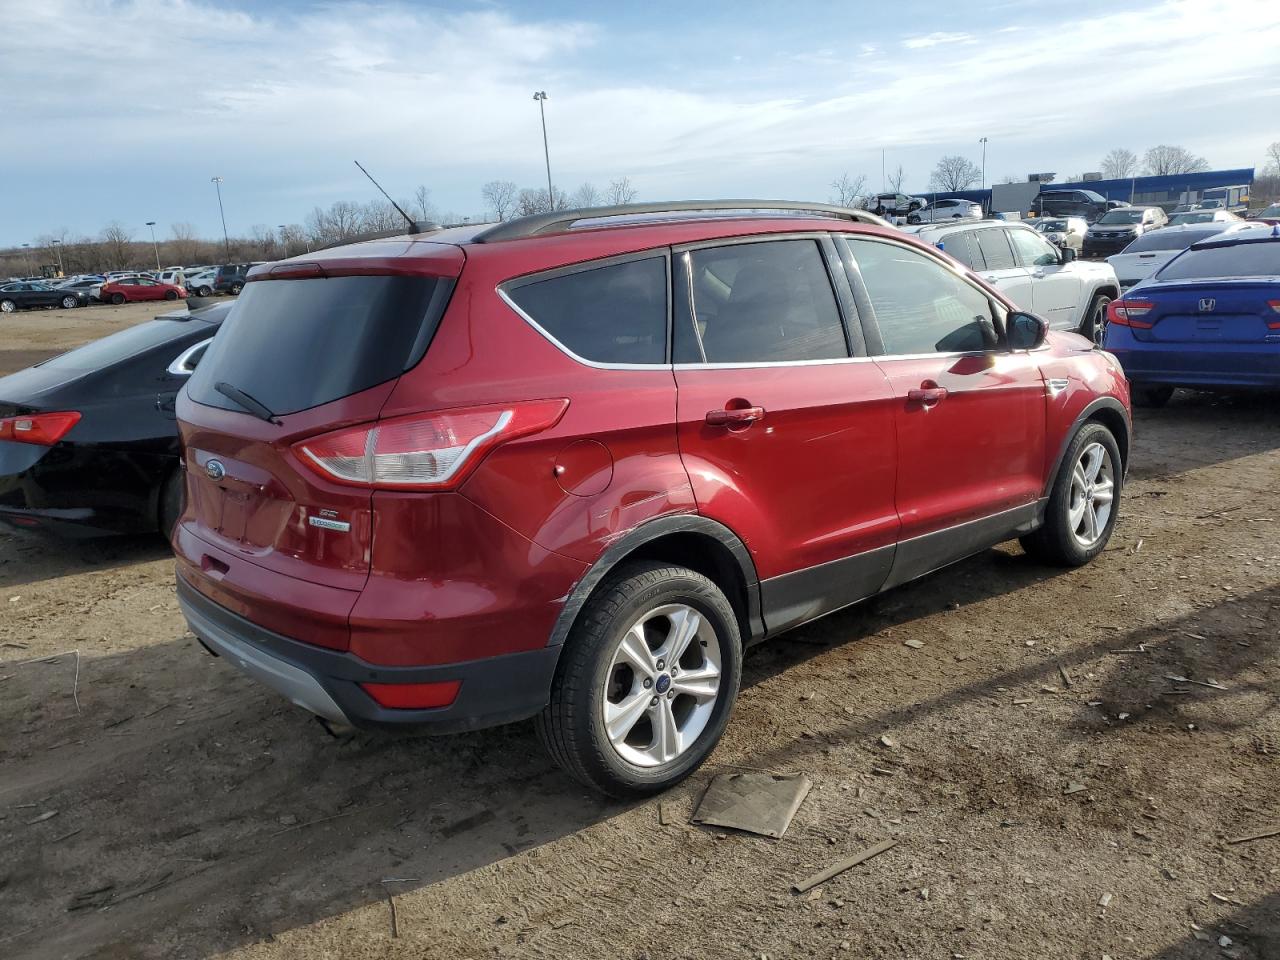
x=297, y=685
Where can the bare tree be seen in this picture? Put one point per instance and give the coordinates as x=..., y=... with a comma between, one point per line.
x=115, y=245
x=1119, y=163
x=895, y=179
x=500, y=197
x=263, y=242
x=423, y=207
x=1163, y=160
x=620, y=191
x=340, y=222
x=293, y=238
x=185, y=244
x=379, y=216
x=531, y=201
x=1273, y=159
x=847, y=190
x=954, y=172
x=586, y=196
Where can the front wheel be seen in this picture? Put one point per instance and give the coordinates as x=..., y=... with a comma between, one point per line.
x=646, y=682
x=117, y=298
x=7, y=306
x=1083, y=505
x=1094, y=326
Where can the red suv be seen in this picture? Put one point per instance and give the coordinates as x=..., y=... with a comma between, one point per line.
x=568, y=466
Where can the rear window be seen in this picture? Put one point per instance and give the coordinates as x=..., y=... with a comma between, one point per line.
x=120, y=346
x=1255, y=259
x=295, y=344
x=610, y=314
x=1168, y=240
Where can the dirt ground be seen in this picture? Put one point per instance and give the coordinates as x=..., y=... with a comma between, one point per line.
x=1053, y=792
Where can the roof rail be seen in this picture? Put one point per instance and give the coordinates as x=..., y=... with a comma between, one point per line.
x=559, y=220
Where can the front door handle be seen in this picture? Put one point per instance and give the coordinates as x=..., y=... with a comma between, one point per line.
x=738, y=416
x=929, y=394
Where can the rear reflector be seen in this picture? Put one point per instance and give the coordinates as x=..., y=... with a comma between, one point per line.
x=429, y=451
x=414, y=696
x=1124, y=313
x=44, y=429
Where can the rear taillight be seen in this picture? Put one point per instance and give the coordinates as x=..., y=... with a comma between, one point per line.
x=1126, y=313
x=1275, y=307
x=430, y=451
x=44, y=429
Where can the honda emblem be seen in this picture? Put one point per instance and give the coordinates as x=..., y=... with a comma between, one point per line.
x=1207, y=305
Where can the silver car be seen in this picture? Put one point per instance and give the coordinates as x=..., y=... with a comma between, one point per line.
x=950, y=208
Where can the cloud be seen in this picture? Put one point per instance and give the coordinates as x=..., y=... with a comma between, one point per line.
x=936, y=39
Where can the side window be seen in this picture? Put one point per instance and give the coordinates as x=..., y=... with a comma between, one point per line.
x=610, y=314
x=995, y=248
x=1031, y=249
x=763, y=302
x=920, y=305
x=961, y=245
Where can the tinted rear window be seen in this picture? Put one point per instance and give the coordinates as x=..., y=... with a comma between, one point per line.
x=1168, y=240
x=295, y=344
x=1257, y=259
x=122, y=345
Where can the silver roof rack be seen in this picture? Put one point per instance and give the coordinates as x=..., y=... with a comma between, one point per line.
x=560, y=220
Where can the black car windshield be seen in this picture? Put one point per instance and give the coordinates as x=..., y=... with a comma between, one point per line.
x=1121, y=216
x=1258, y=258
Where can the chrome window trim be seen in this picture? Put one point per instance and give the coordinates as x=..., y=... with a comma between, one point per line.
x=179, y=366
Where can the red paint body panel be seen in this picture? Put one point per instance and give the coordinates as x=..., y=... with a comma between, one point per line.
x=135, y=293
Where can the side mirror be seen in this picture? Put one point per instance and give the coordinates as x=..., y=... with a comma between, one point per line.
x=1025, y=331
x=1067, y=254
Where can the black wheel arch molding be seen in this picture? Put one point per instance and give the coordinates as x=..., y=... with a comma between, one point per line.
x=1112, y=412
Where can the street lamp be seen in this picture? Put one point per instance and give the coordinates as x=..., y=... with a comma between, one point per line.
x=541, y=97
x=57, y=248
x=217, y=183
x=26, y=258
x=983, y=141
x=155, y=246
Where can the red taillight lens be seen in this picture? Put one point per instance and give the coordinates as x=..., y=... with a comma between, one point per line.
x=1125, y=313
x=414, y=696
x=431, y=451
x=1275, y=306
x=45, y=429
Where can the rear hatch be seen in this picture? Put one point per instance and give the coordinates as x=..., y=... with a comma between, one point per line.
x=310, y=348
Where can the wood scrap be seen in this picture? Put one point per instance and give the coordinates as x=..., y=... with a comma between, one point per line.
x=804, y=886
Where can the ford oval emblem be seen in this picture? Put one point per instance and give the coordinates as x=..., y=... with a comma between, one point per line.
x=215, y=470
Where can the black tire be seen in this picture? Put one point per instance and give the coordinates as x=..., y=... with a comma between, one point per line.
x=235, y=289
x=171, y=294
x=117, y=298
x=1094, y=325
x=1055, y=541
x=1144, y=396
x=173, y=500
x=205, y=291
x=571, y=726
x=70, y=303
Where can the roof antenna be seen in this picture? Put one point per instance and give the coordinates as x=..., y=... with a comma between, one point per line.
x=413, y=226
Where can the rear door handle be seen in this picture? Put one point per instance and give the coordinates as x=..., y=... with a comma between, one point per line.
x=928, y=393
x=738, y=415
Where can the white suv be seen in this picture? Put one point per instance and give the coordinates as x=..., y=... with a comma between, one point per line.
x=1039, y=277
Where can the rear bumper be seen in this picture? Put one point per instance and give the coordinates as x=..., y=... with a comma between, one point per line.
x=493, y=691
x=1196, y=364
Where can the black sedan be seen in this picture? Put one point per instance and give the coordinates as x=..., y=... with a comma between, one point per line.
x=88, y=439
x=24, y=294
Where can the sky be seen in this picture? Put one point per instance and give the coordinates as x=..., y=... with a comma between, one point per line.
x=122, y=110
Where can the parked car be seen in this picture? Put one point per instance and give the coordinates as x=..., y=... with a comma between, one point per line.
x=894, y=204
x=88, y=440
x=26, y=295
x=629, y=494
x=230, y=278
x=946, y=209
x=1069, y=203
x=1063, y=231
x=132, y=289
x=200, y=284
x=173, y=275
x=1151, y=251
x=1116, y=229
x=87, y=286
x=1210, y=317
x=1220, y=215
x=1269, y=215
x=1184, y=208
x=1117, y=204
x=1036, y=275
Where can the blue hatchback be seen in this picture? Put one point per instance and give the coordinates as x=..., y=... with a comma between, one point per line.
x=1209, y=318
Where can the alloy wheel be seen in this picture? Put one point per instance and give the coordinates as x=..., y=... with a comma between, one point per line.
x=68, y=302
x=662, y=685
x=7, y=306
x=1092, y=493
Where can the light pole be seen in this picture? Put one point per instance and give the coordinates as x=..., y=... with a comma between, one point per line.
x=541, y=97
x=155, y=246
x=26, y=258
x=217, y=183
x=284, y=237
x=57, y=248
x=983, y=141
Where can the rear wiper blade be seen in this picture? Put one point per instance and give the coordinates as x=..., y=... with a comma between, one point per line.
x=258, y=409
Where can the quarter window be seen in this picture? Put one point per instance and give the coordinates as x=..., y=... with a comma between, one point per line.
x=920, y=305
x=763, y=302
x=610, y=314
x=1031, y=249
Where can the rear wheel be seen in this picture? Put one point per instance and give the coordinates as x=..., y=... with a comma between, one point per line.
x=646, y=682
x=1082, y=507
x=235, y=289
x=1144, y=396
x=117, y=298
x=1095, y=319
x=7, y=306
x=171, y=294
x=70, y=303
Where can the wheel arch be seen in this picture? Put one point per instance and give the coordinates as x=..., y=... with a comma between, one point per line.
x=1107, y=411
x=690, y=540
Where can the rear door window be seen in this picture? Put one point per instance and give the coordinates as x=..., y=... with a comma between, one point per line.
x=995, y=249
x=296, y=344
x=963, y=247
x=614, y=314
